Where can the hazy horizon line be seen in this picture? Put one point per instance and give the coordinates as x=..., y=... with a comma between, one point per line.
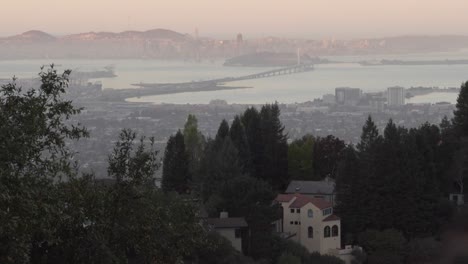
x=232, y=35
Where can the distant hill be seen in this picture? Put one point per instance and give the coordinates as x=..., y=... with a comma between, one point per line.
x=171, y=45
x=32, y=36
x=149, y=34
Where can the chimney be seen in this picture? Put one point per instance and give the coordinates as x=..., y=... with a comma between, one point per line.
x=224, y=214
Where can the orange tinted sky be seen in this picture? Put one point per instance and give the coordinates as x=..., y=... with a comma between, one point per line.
x=307, y=18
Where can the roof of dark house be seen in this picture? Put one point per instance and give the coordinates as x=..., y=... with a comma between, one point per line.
x=311, y=187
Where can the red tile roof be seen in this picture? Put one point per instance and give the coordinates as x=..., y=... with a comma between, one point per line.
x=331, y=218
x=302, y=200
x=282, y=198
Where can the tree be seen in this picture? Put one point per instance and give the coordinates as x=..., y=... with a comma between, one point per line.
x=388, y=246
x=35, y=126
x=274, y=156
x=289, y=259
x=369, y=136
x=327, y=153
x=239, y=139
x=194, y=144
x=220, y=165
x=349, y=190
x=300, y=158
x=251, y=121
x=460, y=119
x=176, y=175
x=223, y=131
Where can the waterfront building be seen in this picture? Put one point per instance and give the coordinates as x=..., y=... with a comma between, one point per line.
x=347, y=96
x=395, y=96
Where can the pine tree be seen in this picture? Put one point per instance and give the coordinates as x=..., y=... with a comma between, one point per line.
x=239, y=139
x=251, y=121
x=194, y=144
x=274, y=160
x=369, y=136
x=176, y=176
x=349, y=193
x=223, y=132
x=460, y=120
x=221, y=164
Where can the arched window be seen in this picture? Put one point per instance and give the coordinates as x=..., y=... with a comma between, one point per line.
x=310, y=213
x=326, y=231
x=335, y=231
x=310, y=232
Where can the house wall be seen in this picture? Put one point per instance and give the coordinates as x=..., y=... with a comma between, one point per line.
x=330, y=244
x=229, y=233
x=291, y=217
x=312, y=244
x=318, y=243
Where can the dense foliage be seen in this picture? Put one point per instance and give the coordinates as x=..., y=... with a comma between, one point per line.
x=392, y=187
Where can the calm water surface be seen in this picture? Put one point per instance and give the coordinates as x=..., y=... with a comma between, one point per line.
x=284, y=89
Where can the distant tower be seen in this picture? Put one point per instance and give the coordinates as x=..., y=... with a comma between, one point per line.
x=239, y=44
x=240, y=39
x=196, y=34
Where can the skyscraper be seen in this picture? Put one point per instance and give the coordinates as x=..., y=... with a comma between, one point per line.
x=395, y=96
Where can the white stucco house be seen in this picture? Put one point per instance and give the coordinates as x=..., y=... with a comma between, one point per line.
x=309, y=221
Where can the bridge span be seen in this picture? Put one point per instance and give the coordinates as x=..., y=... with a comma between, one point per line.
x=271, y=73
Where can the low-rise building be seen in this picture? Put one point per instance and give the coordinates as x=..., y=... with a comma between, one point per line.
x=232, y=228
x=310, y=222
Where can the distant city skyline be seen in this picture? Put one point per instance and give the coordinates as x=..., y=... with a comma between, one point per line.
x=252, y=18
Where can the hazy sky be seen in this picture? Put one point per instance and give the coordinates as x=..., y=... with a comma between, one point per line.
x=224, y=18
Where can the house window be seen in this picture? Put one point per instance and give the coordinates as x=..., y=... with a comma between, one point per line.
x=326, y=231
x=292, y=210
x=310, y=232
x=237, y=233
x=298, y=211
x=296, y=222
x=327, y=211
x=310, y=213
x=335, y=231
x=291, y=222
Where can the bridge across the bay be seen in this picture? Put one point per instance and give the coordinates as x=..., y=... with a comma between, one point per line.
x=271, y=73
x=276, y=72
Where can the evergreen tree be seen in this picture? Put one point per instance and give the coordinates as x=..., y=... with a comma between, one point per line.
x=194, y=145
x=251, y=121
x=223, y=131
x=220, y=165
x=349, y=190
x=369, y=136
x=274, y=158
x=239, y=139
x=460, y=120
x=176, y=176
